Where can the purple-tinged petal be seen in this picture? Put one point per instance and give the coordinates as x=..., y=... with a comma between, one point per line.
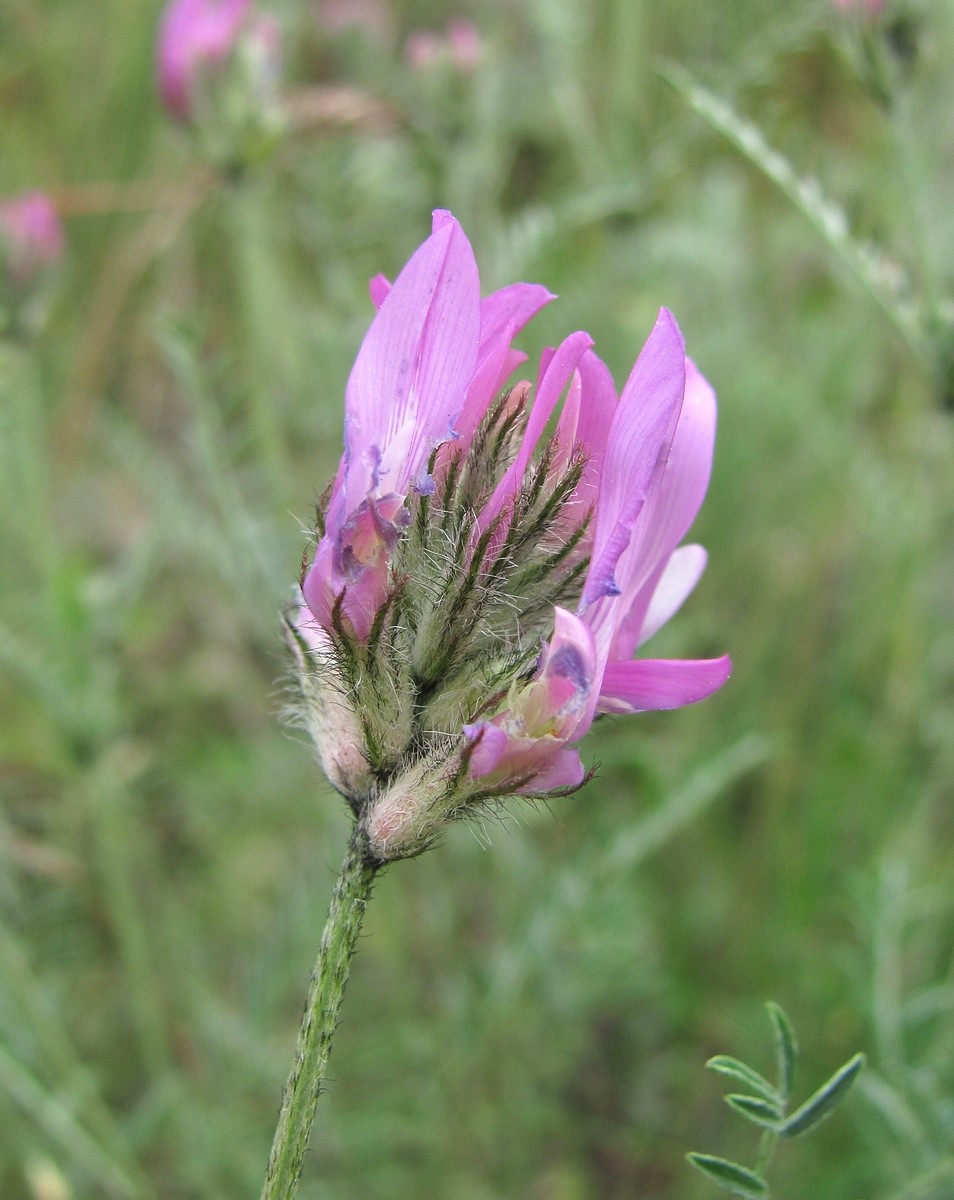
x=561, y=769
x=601, y=577
x=686, y=476
x=560, y=693
x=484, y=386
x=527, y=765
x=354, y=564
x=597, y=411
x=647, y=684
x=379, y=286
x=525, y=746
x=320, y=585
x=502, y=315
x=682, y=487
x=552, y=381
x=514, y=306
x=636, y=449
x=659, y=598
x=408, y=382
x=679, y=576
x=488, y=746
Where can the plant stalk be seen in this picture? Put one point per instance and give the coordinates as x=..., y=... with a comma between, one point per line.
x=325, y=993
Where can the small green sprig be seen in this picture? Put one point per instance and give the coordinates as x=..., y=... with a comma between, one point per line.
x=766, y=1105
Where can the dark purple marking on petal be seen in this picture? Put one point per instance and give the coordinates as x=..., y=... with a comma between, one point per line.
x=567, y=663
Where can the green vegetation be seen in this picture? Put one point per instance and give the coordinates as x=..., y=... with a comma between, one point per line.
x=533, y=1002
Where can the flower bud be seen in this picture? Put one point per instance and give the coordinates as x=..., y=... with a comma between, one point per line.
x=328, y=716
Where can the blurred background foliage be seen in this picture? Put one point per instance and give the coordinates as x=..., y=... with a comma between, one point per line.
x=533, y=1002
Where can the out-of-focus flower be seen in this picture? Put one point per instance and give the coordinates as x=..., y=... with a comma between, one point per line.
x=865, y=8
x=31, y=235
x=218, y=66
x=478, y=590
x=369, y=15
x=460, y=45
x=196, y=38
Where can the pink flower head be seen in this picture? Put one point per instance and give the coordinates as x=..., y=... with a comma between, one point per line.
x=31, y=233
x=465, y=44
x=481, y=586
x=432, y=362
x=653, y=452
x=372, y=16
x=195, y=37
x=460, y=44
x=865, y=8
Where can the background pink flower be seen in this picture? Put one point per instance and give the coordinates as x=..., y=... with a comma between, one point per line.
x=32, y=234
x=194, y=36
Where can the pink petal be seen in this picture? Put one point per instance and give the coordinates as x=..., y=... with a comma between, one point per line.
x=679, y=576
x=561, y=769
x=686, y=476
x=561, y=692
x=515, y=305
x=379, y=286
x=409, y=380
x=659, y=598
x=597, y=408
x=681, y=490
x=495, y=358
x=321, y=585
x=502, y=315
x=588, y=413
x=491, y=744
x=354, y=563
x=527, y=765
x=553, y=380
x=637, y=445
x=647, y=683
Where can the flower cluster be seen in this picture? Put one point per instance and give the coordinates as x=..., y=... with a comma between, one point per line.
x=460, y=45
x=217, y=69
x=480, y=584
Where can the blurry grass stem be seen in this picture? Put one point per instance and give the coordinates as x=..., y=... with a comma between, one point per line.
x=885, y=280
x=260, y=297
x=328, y=979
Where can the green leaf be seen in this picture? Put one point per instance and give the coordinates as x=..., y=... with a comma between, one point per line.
x=824, y=1100
x=760, y=1112
x=786, y=1048
x=729, y=1175
x=724, y=1064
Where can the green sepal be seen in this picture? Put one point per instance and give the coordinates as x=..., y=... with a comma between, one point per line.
x=729, y=1175
x=824, y=1100
x=760, y=1112
x=786, y=1048
x=724, y=1064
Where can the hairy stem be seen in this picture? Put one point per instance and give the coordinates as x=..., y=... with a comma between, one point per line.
x=328, y=979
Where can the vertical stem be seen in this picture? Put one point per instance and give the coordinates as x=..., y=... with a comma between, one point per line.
x=260, y=297
x=328, y=979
